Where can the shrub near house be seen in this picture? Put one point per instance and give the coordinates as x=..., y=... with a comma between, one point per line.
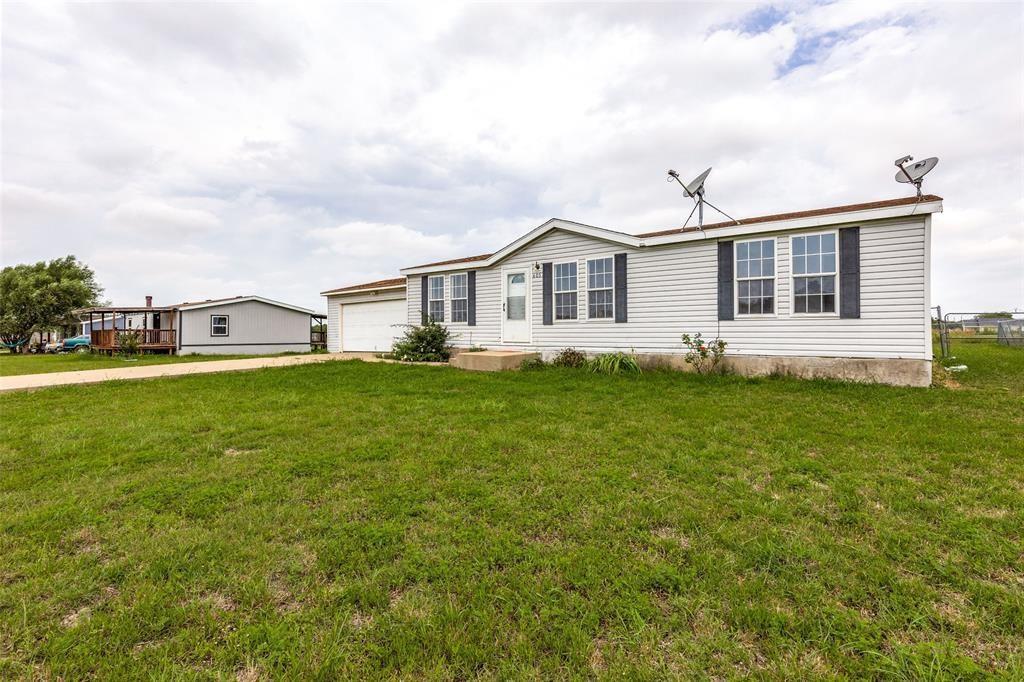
x=428, y=342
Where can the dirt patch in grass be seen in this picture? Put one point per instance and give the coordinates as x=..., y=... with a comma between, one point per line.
x=83, y=613
x=85, y=540
x=220, y=601
x=76, y=617
x=360, y=620
x=239, y=452
x=597, y=662
x=672, y=535
x=249, y=673
x=284, y=600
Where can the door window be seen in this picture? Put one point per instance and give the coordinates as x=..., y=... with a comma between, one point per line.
x=515, y=298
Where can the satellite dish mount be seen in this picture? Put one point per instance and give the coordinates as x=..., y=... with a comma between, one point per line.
x=695, y=190
x=915, y=172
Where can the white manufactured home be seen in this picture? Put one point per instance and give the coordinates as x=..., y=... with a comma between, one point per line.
x=837, y=292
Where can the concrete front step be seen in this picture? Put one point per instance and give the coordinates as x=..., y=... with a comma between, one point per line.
x=492, y=360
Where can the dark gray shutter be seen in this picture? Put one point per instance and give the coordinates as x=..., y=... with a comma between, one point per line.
x=471, y=296
x=725, y=311
x=620, y=287
x=546, y=288
x=423, y=299
x=849, y=272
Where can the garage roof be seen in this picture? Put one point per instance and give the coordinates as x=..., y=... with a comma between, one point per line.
x=396, y=283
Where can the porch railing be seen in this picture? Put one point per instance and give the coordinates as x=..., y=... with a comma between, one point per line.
x=108, y=338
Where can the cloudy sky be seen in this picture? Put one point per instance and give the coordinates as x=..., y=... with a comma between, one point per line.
x=194, y=151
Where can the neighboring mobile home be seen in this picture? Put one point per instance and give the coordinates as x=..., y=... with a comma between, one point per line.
x=834, y=292
x=249, y=325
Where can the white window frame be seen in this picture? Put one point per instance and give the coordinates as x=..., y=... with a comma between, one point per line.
x=555, y=291
x=793, y=275
x=226, y=325
x=431, y=299
x=453, y=299
x=736, y=279
x=587, y=260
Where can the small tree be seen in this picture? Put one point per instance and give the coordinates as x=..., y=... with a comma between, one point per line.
x=41, y=296
x=428, y=342
x=703, y=355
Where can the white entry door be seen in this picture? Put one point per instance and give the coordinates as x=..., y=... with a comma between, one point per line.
x=515, y=306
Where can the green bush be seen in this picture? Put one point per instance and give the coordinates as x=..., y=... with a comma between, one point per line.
x=570, y=357
x=703, y=355
x=615, y=363
x=428, y=342
x=533, y=364
x=128, y=343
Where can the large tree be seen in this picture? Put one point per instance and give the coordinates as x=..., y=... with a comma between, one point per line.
x=40, y=297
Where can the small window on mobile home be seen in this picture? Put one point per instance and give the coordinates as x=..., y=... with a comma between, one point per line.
x=600, y=281
x=218, y=325
x=436, y=298
x=814, y=274
x=755, y=277
x=460, y=297
x=565, y=291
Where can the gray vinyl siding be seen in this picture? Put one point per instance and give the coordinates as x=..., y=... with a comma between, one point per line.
x=254, y=328
x=673, y=289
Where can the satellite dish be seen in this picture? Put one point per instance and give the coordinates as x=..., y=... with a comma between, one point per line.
x=696, y=186
x=915, y=172
x=695, y=190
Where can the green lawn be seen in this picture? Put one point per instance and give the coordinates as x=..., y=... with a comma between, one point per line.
x=351, y=520
x=11, y=365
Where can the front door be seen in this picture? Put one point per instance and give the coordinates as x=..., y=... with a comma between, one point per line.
x=515, y=327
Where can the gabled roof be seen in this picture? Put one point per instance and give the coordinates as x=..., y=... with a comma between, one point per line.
x=833, y=215
x=398, y=282
x=195, y=305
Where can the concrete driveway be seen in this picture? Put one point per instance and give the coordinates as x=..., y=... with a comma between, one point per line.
x=92, y=376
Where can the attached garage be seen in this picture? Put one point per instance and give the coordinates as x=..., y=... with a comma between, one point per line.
x=364, y=317
x=371, y=325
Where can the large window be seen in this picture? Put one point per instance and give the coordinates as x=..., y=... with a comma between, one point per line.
x=435, y=298
x=755, y=277
x=460, y=298
x=565, y=291
x=218, y=325
x=814, y=273
x=600, y=297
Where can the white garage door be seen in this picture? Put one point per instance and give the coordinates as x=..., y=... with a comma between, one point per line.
x=368, y=326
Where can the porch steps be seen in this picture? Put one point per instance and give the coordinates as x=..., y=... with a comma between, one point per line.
x=492, y=360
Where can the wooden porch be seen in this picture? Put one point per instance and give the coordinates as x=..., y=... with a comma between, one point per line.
x=150, y=340
x=151, y=326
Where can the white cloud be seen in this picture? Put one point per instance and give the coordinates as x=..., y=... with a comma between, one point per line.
x=156, y=218
x=319, y=145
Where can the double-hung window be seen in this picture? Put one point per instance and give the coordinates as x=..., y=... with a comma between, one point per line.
x=600, y=282
x=755, y=277
x=565, y=291
x=218, y=325
x=435, y=298
x=814, y=273
x=460, y=297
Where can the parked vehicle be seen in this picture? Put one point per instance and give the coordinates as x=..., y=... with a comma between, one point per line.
x=51, y=346
x=76, y=344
